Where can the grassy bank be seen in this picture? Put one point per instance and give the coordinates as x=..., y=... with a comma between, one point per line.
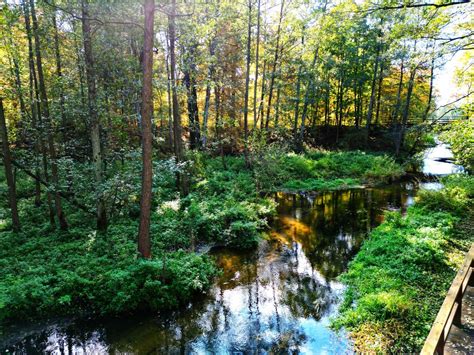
x=398, y=281
x=47, y=272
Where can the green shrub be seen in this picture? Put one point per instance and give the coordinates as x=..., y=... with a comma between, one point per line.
x=460, y=136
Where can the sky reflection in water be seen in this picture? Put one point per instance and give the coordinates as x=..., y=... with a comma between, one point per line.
x=276, y=299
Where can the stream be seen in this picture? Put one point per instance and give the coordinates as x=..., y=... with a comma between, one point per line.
x=278, y=298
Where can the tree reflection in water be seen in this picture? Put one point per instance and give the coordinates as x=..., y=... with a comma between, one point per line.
x=276, y=299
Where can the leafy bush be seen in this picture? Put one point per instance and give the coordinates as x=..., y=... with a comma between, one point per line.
x=460, y=136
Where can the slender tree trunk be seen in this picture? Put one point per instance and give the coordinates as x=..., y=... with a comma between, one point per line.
x=33, y=105
x=80, y=68
x=168, y=91
x=144, y=245
x=379, y=94
x=47, y=120
x=314, y=117
x=60, y=79
x=218, y=106
x=178, y=145
x=257, y=49
x=93, y=115
x=406, y=111
x=309, y=92
x=16, y=73
x=275, y=63
x=430, y=94
x=207, y=100
x=326, y=105
x=36, y=102
x=297, y=107
x=277, y=109
x=193, y=110
x=372, y=95
x=247, y=83
x=262, y=97
x=396, y=110
x=8, y=170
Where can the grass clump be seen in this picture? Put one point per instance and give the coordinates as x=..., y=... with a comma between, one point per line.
x=397, y=282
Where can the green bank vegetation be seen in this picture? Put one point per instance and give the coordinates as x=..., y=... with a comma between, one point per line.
x=398, y=281
x=45, y=271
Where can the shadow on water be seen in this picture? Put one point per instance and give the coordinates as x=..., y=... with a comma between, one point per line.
x=277, y=299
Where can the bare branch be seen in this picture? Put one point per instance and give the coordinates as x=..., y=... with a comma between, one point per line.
x=416, y=5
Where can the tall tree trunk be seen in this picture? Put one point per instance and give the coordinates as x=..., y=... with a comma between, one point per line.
x=326, y=105
x=36, y=102
x=372, y=95
x=218, y=128
x=262, y=97
x=379, y=94
x=316, y=109
x=275, y=63
x=247, y=82
x=144, y=245
x=33, y=104
x=257, y=49
x=8, y=170
x=309, y=92
x=178, y=144
x=60, y=79
x=277, y=108
x=193, y=110
x=430, y=94
x=93, y=115
x=297, y=107
x=47, y=120
x=207, y=100
x=18, y=86
x=168, y=91
x=406, y=111
x=396, y=110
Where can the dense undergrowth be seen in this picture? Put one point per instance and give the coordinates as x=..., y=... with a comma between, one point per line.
x=47, y=272
x=397, y=282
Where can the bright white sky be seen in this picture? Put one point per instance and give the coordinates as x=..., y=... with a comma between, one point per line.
x=444, y=84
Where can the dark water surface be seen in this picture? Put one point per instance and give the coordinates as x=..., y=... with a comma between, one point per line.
x=276, y=299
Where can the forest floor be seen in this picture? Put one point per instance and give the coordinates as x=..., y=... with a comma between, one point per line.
x=399, y=279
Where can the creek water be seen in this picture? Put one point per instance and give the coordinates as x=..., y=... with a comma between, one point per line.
x=278, y=298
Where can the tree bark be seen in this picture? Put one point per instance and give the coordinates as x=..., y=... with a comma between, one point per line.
x=398, y=103
x=193, y=110
x=168, y=91
x=406, y=111
x=8, y=170
x=275, y=63
x=93, y=115
x=379, y=94
x=178, y=144
x=47, y=120
x=297, y=107
x=372, y=95
x=33, y=105
x=430, y=94
x=60, y=79
x=144, y=245
x=247, y=82
x=256, y=64
x=262, y=97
